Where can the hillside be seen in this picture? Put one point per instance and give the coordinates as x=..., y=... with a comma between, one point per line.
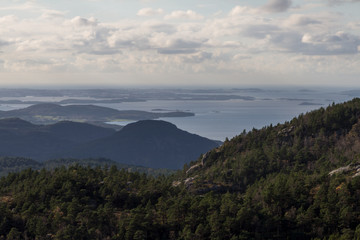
x=24, y=139
x=149, y=143
x=297, y=180
x=17, y=164
x=77, y=132
x=318, y=141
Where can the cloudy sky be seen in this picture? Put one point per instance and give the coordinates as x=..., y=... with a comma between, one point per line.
x=187, y=42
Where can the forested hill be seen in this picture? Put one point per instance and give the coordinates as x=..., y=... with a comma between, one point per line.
x=297, y=180
x=17, y=164
x=318, y=141
x=149, y=143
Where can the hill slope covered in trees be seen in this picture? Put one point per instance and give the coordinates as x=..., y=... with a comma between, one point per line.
x=318, y=141
x=297, y=180
x=149, y=143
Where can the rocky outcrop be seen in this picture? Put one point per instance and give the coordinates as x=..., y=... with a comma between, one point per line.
x=286, y=131
x=199, y=165
x=353, y=169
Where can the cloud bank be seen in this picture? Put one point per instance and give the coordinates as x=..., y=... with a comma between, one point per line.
x=272, y=39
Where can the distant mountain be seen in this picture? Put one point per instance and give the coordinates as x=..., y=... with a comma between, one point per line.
x=41, y=142
x=77, y=132
x=149, y=143
x=296, y=180
x=46, y=113
x=66, y=130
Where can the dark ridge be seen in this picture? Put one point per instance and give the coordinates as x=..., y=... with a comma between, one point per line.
x=149, y=143
x=78, y=132
x=15, y=123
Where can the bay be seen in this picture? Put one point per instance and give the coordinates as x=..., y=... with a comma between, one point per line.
x=221, y=119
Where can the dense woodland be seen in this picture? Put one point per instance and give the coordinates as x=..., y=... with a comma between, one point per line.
x=17, y=164
x=273, y=183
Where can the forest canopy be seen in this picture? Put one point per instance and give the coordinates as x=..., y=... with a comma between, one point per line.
x=297, y=180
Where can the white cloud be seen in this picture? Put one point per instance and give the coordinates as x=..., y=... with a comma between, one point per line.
x=261, y=31
x=239, y=10
x=27, y=65
x=189, y=14
x=148, y=12
x=52, y=14
x=301, y=20
x=338, y=2
x=20, y=7
x=277, y=6
x=316, y=44
x=330, y=44
x=9, y=19
x=354, y=25
x=247, y=39
x=4, y=43
x=307, y=38
x=79, y=21
x=198, y=57
x=176, y=51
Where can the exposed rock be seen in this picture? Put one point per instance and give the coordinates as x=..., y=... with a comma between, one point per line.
x=354, y=169
x=204, y=158
x=286, y=131
x=189, y=181
x=340, y=170
x=196, y=166
x=202, y=163
x=356, y=174
x=176, y=183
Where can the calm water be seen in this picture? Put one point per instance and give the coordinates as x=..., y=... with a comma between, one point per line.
x=220, y=119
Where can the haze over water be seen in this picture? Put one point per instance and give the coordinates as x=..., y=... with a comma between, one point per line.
x=225, y=119
x=242, y=109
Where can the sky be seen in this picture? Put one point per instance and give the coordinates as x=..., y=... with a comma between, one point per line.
x=179, y=43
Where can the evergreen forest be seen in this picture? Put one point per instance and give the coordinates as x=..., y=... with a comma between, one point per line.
x=296, y=180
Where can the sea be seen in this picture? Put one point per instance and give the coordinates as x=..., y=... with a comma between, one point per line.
x=220, y=119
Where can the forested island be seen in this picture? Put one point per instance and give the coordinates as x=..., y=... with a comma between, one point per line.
x=47, y=113
x=296, y=180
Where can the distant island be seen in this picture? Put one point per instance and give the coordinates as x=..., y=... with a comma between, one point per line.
x=296, y=180
x=310, y=104
x=105, y=96
x=47, y=113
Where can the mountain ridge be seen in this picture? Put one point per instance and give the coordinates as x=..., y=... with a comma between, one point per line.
x=304, y=143
x=296, y=180
x=168, y=146
x=149, y=143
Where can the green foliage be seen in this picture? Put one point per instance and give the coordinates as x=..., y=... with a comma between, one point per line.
x=318, y=141
x=95, y=203
x=17, y=164
x=272, y=183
